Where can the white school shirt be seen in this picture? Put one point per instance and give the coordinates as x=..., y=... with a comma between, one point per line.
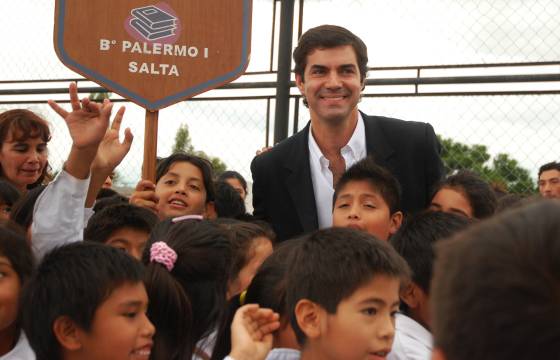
x=321, y=175
x=412, y=341
x=22, y=350
x=58, y=214
x=284, y=354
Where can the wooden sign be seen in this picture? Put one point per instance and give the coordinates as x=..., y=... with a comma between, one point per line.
x=155, y=53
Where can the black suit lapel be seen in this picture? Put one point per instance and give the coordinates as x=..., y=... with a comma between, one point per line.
x=376, y=143
x=299, y=183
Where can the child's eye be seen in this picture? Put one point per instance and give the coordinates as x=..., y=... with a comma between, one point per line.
x=20, y=148
x=370, y=206
x=169, y=182
x=130, y=315
x=343, y=205
x=394, y=314
x=194, y=187
x=369, y=311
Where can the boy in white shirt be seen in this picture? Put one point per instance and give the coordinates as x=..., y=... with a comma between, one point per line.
x=414, y=242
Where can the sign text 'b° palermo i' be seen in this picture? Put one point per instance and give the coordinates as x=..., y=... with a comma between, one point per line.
x=155, y=54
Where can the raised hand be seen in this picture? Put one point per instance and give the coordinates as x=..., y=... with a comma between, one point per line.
x=87, y=122
x=145, y=196
x=111, y=151
x=251, y=332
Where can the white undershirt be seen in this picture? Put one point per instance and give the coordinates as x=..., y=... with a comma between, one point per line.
x=412, y=341
x=321, y=175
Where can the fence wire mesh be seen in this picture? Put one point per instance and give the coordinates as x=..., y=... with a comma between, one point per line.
x=397, y=32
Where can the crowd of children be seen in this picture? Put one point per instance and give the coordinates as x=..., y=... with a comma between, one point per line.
x=181, y=271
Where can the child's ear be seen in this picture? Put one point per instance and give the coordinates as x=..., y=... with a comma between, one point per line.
x=210, y=211
x=309, y=318
x=409, y=294
x=67, y=333
x=396, y=221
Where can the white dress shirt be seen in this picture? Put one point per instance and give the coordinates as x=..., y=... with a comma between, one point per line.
x=321, y=175
x=412, y=341
x=22, y=350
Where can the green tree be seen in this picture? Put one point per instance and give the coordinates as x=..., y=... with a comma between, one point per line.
x=502, y=170
x=183, y=143
x=99, y=96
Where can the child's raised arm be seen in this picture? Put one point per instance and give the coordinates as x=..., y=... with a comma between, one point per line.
x=58, y=216
x=110, y=154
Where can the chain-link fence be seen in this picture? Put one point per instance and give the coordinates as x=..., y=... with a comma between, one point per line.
x=399, y=33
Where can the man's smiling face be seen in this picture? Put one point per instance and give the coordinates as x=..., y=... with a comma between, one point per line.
x=331, y=84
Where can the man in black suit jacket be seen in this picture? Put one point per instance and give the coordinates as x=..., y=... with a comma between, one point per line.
x=331, y=67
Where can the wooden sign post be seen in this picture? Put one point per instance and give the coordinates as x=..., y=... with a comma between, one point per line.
x=154, y=53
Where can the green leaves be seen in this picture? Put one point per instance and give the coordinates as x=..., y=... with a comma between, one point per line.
x=501, y=171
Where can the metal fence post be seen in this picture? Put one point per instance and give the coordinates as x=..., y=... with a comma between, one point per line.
x=284, y=71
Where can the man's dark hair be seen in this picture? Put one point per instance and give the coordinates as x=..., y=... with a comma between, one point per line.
x=228, y=203
x=415, y=239
x=479, y=193
x=73, y=281
x=378, y=177
x=496, y=287
x=202, y=164
x=554, y=165
x=115, y=217
x=339, y=259
x=326, y=37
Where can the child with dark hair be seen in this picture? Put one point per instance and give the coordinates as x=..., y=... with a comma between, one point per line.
x=87, y=301
x=250, y=246
x=496, y=286
x=367, y=197
x=465, y=193
x=9, y=195
x=187, y=266
x=16, y=267
x=228, y=203
x=184, y=186
x=236, y=180
x=343, y=293
x=22, y=211
x=268, y=290
x=126, y=227
x=414, y=242
x=105, y=192
x=102, y=203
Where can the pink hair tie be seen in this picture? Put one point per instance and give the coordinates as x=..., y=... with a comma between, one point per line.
x=161, y=253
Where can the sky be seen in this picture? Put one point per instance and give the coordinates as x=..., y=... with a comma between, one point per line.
x=397, y=33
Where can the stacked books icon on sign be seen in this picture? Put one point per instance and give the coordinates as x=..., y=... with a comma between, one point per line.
x=153, y=23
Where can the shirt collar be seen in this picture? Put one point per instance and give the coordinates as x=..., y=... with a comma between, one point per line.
x=356, y=145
